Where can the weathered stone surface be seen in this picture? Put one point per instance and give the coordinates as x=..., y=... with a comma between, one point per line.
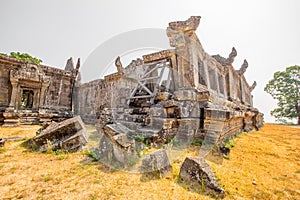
x=185, y=95
x=11, y=118
x=117, y=151
x=163, y=96
x=116, y=148
x=157, y=163
x=158, y=112
x=69, y=135
x=105, y=149
x=197, y=173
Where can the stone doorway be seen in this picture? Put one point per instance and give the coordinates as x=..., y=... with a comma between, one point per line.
x=27, y=99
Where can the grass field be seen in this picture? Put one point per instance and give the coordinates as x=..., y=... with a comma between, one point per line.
x=262, y=165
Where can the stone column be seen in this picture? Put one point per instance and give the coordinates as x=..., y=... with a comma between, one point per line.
x=11, y=116
x=180, y=53
x=14, y=84
x=35, y=104
x=42, y=94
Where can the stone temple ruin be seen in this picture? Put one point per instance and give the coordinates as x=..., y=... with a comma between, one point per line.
x=177, y=94
x=181, y=92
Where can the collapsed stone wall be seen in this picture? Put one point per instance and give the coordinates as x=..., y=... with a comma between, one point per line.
x=203, y=96
x=94, y=96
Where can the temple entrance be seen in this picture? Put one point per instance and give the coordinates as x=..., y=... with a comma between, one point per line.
x=27, y=99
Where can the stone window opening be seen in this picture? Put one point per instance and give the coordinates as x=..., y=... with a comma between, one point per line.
x=213, y=79
x=221, y=84
x=27, y=99
x=201, y=74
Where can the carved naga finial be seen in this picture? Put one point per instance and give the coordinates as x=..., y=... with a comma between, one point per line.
x=253, y=86
x=78, y=64
x=231, y=56
x=178, y=29
x=69, y=65
x=243, y=68
x=76, y=71
x=118, y=64
x=191, y=24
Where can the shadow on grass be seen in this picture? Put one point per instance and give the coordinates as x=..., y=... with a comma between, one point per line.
x=150, y=176
x=199, y=189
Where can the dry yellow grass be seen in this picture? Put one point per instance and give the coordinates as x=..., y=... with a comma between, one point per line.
x=270, y=157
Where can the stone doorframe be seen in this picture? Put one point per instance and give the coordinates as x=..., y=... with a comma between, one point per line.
x=28, y=77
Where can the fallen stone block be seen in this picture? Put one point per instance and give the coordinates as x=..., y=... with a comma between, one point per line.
x=116, y=148
x=117, y=151
x=157, y=163
x=44, y=126
x=69, y=135
x=197, y=173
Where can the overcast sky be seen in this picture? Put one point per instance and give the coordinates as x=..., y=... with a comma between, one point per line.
x=265, y=32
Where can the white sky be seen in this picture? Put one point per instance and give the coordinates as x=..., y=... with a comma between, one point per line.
x=265, y=32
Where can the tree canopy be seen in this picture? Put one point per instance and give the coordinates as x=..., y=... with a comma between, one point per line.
x=285, y=88
x=23, y=56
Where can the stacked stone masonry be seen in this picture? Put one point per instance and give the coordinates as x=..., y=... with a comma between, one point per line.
x=182, y=93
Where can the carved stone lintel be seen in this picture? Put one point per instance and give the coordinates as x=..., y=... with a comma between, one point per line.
x=157, y=56
x=27, y=72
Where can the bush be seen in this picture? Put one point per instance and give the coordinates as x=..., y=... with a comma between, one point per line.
x=23, y=56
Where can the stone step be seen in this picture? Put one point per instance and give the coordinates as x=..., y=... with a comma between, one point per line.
x=30, y=123
x=28, y=119
x=28, y=114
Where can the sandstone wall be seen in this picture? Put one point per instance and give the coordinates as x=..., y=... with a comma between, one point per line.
x=58, y=94
x=51, y=87
x=90, y=96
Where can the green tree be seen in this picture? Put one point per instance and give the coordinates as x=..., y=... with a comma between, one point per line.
x=23, y=56
x=285, y=88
